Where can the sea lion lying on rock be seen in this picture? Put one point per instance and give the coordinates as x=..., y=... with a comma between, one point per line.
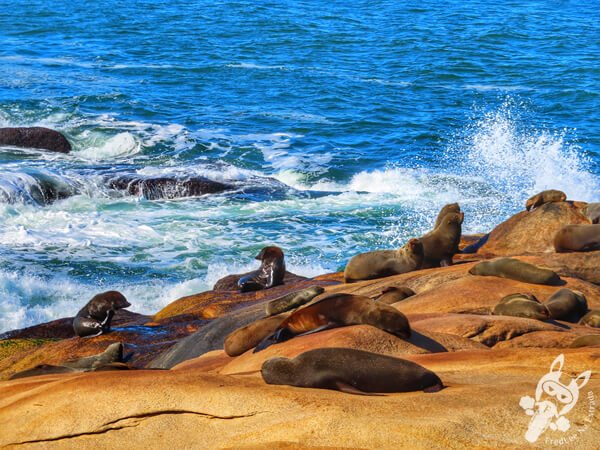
x=516, y=270
x=441, y=244
x=591, y=319
x=351, y=371
x=393, y=294
x=249, y=336
x=339, y=310
x=35, y=137
x=577, y=238
x=271, y=272
x=384, y=263
x=522, y=305
x=292, y=300
x=566, y=305
x=95, y=317
x=549, y=196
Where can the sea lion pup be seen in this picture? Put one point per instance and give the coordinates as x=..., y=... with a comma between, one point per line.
x=95, y=317
x=591, y=319
x=549, y=196
x=521, y=305
x=446, y=209
x=271, y=272
x=590, y=340
x=249, y=336
x=592, y=212
x=441, y=244
x=339, y=310
x=566, y=305
x=393, y=294
x=383, y=263
x=292, y=300
x=515, y=270
x=577, y=238
x=351, y=371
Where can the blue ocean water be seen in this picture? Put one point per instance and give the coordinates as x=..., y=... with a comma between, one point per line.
x=346, y=126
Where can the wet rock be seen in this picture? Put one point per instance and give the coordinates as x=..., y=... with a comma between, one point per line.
x=35, y=137
x=167, y=188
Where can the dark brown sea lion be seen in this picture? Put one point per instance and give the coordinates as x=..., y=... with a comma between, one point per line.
x=521, y=305
x=35, y=137
x=515, y=270
x=447, y=209
x=566, y=305
x=249, y=336
x=95, y=317
x=577, y=238
x=339, y=310
x=592, y=212
x=271, y=272
x=591, y=340
x=591, y=319
x=384, y=263
x=441, y=244
x=292, y=300
x=351, y=371
x=393, y=294
x=549, y=196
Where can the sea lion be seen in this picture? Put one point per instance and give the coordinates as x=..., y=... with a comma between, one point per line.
x=446, y=209
x=577, y=238
x=515, y=270
x=35, y=137
x=590, y=340
x=383, y=263
x=351, y=371
x=95, y=317
x=292, y=300
x=393, y=294
x=566, y=305
x=549, y=196
x=441, y=244
x=339, y=310
x=249, y=336
x=592, y=212
x=591, y=319
x=271, y=272
x=521, y=305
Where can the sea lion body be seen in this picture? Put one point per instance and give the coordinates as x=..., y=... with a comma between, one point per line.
x=577, y=238
x=292, y=300
x=349, y=370
x=249, y=336
x=393, y=294
x=270, y=273
x=35, y=137
x=521, y=305
x=592, y=212
x=447, y=209
x=384, y=263
x=441, y=244
x=96, y=316
x=340, y=310
x=515, y=270
x=549, y=196
x=566, y=305
x=591, y=319
x=590, y=340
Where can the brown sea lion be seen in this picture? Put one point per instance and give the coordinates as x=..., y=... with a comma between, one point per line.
x=35, y=137
x=521, y=305
x=383, y=263
x=549, y=196
x=590, y=340
x=447, y=209
x=577, y=238
x=292, y=300
x=566, y=305
x=441, y=244
x=351, y=371
x=592, y=212
x=339, y=310
x=591, y=319
x=393, y=294
x=249, y=336
x=270, y=274
x=95, y=317
x=515, y=270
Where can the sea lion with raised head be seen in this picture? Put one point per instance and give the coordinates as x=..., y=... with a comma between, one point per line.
x=339, y=310
x=549, y=196
x=35, y=137
x=384, y=263
x=292, y=300
x=95, y=317
x=351, y=371
x=566, y=305
x=591, y=319
x=393, y=294
x=446, y=209
x=521, y=305
x=577, y=238
x=592, y=212
x=441, y=244
x=515, y=270
x=270, y=273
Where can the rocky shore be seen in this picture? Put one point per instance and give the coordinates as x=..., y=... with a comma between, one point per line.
x=207, y=399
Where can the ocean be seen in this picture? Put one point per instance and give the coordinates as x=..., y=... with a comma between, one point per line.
x=344, y=127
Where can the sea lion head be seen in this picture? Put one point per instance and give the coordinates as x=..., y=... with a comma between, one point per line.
x=271, y=252
x=279, y=371
x=393, y=321
x=115, y=299
x=415, y=246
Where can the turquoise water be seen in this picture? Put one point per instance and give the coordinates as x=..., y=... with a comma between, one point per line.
x=345, y=126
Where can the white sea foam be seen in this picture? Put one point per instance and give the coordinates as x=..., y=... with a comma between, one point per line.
x=118, y=146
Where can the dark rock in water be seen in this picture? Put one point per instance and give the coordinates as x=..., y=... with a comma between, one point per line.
x=166, y=187
x=230, y=282
x=35, y=137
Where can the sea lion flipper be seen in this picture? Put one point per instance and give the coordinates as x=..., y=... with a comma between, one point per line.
x=281, y=335
x=349, y=389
